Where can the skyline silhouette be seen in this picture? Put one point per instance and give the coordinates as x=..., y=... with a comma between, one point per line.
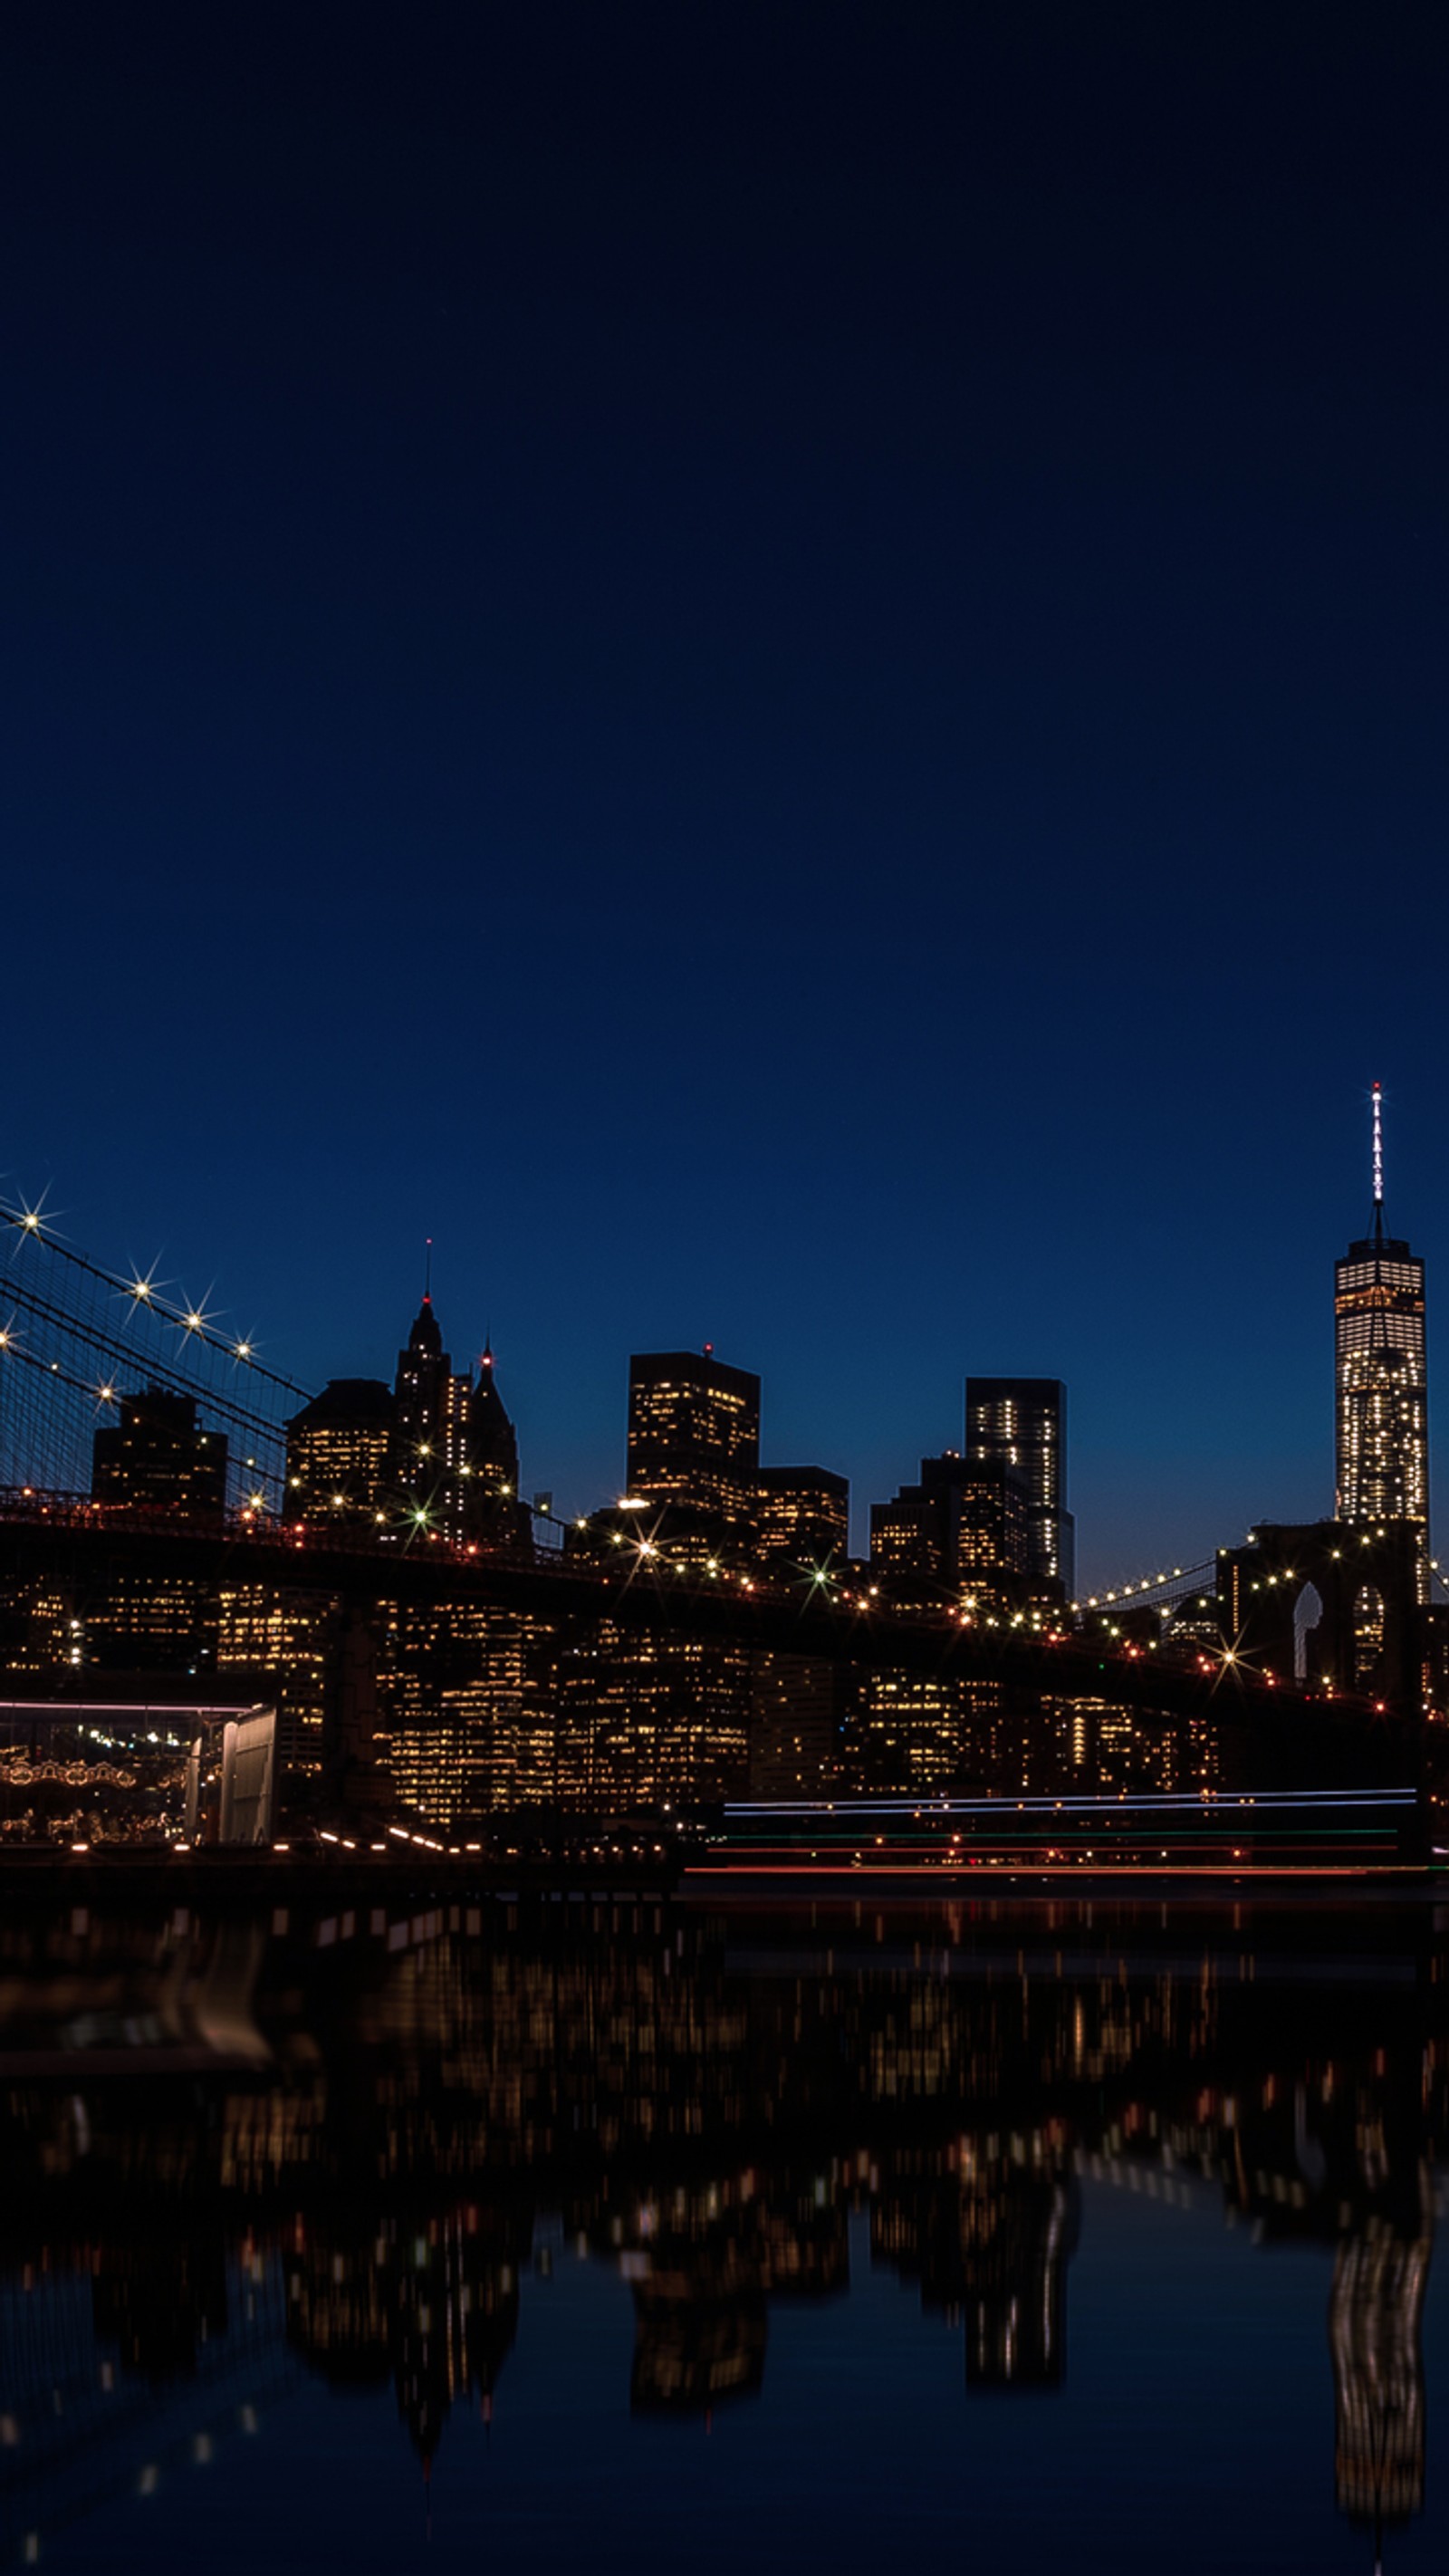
x=562, y=1474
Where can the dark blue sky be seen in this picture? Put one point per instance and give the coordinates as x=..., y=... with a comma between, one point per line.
x=781, y=670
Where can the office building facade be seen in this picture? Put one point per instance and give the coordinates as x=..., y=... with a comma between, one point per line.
x=802, y=1517
x=694, y=1440
x=963, y=1533
x=1021, y=1423
x=340, y=1453
x=1381, y=1404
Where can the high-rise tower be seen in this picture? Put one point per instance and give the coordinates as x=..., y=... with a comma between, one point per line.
x=420, y=1396
x=1021, y=1423
x=694, y=1437
x=492, y=1507
x=1380, y=1376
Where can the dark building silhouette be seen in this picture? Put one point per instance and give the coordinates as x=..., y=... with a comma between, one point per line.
x=1380, y=1379
x=491, y=1507
x=158, y=1458
x=1021, y=1423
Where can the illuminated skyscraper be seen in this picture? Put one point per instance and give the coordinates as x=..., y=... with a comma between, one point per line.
x=802, y=1516
x=963, y=1531
x=1021, y=1423
x=694, y=1437
x=456, y=1451
x=423, y=1411
x=1380, y=1376
x=338, y=1450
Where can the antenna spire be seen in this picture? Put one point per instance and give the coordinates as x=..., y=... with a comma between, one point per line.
x=1378, y=1152
x=428, y=1272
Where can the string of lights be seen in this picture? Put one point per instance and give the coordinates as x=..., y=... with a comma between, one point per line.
x=31, y=1225
x=1146, y=1590
x=79, y=1342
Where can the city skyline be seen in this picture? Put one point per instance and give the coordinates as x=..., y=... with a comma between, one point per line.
x=565, y=1480
x=365, y=1555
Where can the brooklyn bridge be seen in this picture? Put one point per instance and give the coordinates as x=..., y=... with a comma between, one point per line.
x=503, y=1657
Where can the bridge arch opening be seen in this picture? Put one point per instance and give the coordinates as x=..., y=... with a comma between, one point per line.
x=1307, y=1614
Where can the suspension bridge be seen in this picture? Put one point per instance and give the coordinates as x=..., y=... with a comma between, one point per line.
x=75, y=1337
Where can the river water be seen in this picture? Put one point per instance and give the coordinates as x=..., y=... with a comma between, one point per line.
x=652, y=2238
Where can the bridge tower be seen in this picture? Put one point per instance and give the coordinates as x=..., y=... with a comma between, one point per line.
x=1328, y=1603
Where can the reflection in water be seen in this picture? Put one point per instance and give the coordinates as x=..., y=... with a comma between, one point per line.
x=1374, y=2322
x=434, y=2312
x=234, y=2154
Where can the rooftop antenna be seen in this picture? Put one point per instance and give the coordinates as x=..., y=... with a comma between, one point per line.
x=1378, y=1118
x=428, y=1273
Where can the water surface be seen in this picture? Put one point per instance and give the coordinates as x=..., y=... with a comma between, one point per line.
x=634, y=2238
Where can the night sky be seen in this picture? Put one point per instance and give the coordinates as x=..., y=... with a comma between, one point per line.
x=780, y=670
